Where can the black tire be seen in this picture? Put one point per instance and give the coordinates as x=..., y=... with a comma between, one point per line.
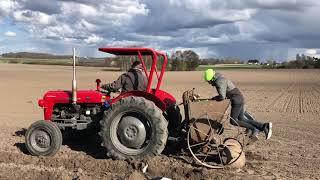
x=149, y=126
x=174, y=118
x=43, y=138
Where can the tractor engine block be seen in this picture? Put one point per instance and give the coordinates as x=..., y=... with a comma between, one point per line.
x=75, y=116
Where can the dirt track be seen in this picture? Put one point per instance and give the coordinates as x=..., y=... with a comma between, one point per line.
x=288, y=98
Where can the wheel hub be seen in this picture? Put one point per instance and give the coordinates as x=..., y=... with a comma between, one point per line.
x=131, y=132
x=41, y=140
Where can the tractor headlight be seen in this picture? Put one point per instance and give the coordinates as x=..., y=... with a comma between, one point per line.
x=103, y=99
x=41, y=102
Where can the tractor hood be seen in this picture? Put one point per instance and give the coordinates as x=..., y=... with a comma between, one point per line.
x=83, y=96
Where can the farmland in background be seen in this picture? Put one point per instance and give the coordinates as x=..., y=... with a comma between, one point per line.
x=228, y=66
x=288, y=98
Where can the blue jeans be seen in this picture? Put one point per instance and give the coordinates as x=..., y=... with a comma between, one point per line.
x=244, y=119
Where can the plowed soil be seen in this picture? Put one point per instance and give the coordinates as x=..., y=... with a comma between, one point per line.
x=288, y=98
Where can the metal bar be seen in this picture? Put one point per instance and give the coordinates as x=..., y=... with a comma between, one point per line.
x=157, y=72
x=220, y=157
x=143, y=64
x=198, y=144
x=74, y=82
x=165, y=60
x=199, y=131
x=154, y=62
x=206, y=155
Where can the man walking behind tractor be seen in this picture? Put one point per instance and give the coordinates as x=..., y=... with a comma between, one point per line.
x=227, y=90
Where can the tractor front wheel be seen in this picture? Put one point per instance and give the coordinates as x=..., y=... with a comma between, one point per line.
x=133, y=128
x=43, y=138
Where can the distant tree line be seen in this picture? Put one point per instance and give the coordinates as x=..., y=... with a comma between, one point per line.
x=178, y=61
x=35, y=55
x=213, y=61
x=302, y=62
x=184, y=61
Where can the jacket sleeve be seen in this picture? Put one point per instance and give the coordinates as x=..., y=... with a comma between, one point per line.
x=221, y=87
x=115, y=85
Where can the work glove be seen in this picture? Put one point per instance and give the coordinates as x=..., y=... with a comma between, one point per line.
x=106, y=87
x=195, y=96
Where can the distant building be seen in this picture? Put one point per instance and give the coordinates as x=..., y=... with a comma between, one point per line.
x=253, y=61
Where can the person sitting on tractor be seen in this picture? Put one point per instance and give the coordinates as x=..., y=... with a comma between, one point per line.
x=134, y=79
x=227, y=90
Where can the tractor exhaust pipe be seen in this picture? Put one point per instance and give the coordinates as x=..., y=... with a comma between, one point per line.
x=74, y=82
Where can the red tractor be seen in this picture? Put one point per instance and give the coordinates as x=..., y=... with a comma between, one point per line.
x=133, y=124
x=136, y=124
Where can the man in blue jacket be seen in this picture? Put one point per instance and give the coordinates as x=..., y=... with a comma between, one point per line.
x=227, y=90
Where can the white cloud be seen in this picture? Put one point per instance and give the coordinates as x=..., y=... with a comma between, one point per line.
x=93, y=39
x=151, y=37
x=210, y=27
x=80, y=9
x=7, y=6
x=10, y=34
x=107, y=13
x=124, y=43
x=33, y=17
x=311, y=52
x=210, y=40
x=76, y=21
x=60, y=31
x=84, y=25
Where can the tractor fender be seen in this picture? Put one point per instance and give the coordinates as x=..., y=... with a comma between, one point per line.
x=161, y=99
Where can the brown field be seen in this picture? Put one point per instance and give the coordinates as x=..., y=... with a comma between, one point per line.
x=288, y=98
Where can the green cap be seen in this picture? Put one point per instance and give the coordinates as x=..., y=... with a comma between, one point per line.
x=209, y=75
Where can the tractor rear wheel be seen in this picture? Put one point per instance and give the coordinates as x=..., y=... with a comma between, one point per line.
x=133, y=128
x=43, y=138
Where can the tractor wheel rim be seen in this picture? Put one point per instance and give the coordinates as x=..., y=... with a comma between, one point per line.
x=40, y=140
x=130, y=132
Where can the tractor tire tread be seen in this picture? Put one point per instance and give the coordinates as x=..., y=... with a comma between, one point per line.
x=54, y=132
x=159, y=124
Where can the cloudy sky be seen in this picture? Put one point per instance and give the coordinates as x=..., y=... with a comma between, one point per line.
x=264, y=29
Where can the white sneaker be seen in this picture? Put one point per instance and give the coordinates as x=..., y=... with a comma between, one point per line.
x=268, y=130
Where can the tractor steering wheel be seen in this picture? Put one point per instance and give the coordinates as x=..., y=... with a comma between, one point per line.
x=105, y=91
